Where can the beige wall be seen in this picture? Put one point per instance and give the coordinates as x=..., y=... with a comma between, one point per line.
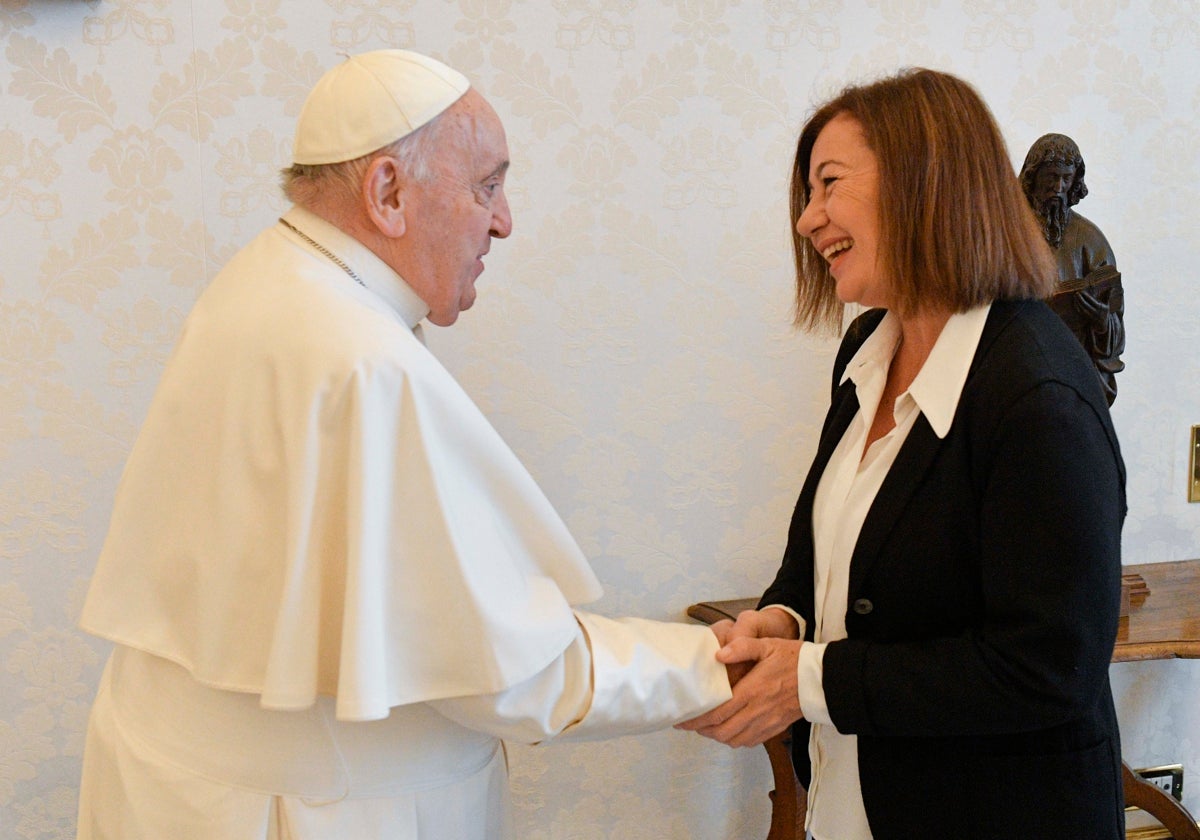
x=631, y=339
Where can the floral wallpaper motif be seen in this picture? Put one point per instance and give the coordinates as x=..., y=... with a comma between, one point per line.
x=631, y=340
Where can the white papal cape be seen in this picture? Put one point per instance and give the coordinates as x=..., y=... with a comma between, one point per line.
x=317, y=527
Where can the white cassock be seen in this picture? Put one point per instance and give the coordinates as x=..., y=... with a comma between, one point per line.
x=333, y=588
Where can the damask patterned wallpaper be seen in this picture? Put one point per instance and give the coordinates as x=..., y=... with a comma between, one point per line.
x=631, y=340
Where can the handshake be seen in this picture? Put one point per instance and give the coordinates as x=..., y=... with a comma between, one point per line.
x=760, y=652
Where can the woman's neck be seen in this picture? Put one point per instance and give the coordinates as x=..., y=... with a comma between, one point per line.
x=918, y=333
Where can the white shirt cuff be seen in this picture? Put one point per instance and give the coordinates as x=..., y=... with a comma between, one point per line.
x=810, y=682
x=647, y=675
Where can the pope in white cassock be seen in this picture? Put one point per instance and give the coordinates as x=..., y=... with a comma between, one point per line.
x=331, y=587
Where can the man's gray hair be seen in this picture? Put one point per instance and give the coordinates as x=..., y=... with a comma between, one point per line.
x=311, y=184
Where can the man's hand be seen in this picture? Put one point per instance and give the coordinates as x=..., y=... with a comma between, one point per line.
x=765, y=701
x=722, y=630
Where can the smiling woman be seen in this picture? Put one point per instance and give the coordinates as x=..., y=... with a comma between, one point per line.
x=947, y=602
x=954, y=227
x=841, y=218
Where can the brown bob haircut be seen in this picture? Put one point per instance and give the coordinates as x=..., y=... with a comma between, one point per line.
x=955, y=229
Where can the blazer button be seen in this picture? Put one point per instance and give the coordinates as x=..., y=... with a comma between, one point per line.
x=863, y=606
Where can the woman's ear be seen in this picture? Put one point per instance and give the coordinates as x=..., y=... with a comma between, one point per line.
x=383, y=193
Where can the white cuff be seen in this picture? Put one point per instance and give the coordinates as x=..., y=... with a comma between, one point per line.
x=648, y=675
x=810, y=682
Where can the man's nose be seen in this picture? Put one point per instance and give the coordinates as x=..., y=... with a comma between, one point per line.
x=501, y=218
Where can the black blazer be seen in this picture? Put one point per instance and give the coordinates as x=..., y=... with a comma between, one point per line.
x=983, y=601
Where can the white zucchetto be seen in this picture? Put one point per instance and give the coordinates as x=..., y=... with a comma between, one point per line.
x=371, y=100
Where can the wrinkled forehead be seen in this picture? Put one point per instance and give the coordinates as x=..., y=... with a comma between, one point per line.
x=475, y=133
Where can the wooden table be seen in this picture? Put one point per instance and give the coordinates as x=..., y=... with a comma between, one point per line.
x=1165, y=624
x=1162, y=624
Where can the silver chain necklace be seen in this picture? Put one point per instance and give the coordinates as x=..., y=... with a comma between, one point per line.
x=323, y=250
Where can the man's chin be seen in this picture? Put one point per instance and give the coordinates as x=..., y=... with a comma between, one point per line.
x=443, y=318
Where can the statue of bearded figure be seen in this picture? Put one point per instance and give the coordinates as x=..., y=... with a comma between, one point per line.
x=1089, y=296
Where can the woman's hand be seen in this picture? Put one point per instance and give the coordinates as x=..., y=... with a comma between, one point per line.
x=752, y=624
x=765, y=701
x=760, y=624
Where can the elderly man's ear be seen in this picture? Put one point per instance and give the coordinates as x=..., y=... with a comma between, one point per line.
x=383, y=194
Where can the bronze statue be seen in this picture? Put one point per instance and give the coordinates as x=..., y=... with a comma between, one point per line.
x=1089, y=297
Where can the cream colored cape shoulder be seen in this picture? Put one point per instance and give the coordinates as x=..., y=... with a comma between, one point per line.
x=314, y=506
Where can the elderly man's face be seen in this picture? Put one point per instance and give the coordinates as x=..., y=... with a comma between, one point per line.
x=1053, y=181
x=452, y=218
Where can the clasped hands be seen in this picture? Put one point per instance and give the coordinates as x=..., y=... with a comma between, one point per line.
x=760, y=652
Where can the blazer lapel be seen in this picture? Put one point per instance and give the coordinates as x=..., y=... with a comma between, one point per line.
x=912, y=462
x=799, y=551
x=845, y=406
